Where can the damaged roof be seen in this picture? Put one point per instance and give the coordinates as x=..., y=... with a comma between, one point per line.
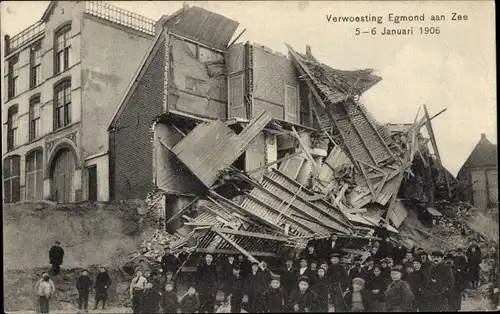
x=202, y=25
x=484, y=154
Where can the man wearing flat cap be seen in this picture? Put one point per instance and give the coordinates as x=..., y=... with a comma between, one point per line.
x=303, y=299
x=437, y=284
x=339, y=281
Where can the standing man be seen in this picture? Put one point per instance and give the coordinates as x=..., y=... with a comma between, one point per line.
x=169, y=261
x=289, y=279
x=399, y=253
x=255, y=286
x=227, y=274
x=337, y=275
x=235, y=289
x=56, y=255
x=102, y=283
x=436, y=285
x=206, y=280
x=474, y=259
x=44, y=289
x=137, y=287
x=83, y=285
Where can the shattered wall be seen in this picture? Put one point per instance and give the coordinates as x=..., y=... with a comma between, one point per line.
x=272, y=73
x=171, y=175
x=199, y=77
x=131, y=151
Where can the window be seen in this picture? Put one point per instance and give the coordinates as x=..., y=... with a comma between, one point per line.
x=13, y=78
x=236, y=99
x=36, y=65
x=34, y=118
x=291, y=104
x=62, y=49
x=62, y=105
x=11, y=179
x=34, y=175
x=12, y=124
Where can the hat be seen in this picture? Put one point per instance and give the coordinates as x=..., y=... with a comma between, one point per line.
x=398, y=268
x=449, y=256
x=384, y=260
x=369, y=259
x=437, y=254
x=255, y=263
x=170, y=283
x=359, y=281
x=314, y=261
x=57, y=242
x=169, y=272
x=304, y=278
x=334, y=255
x=236, y=267
x=275, y=277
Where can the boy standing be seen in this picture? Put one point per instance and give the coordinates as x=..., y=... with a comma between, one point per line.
x=83, y=285
x=102, y=283
x=320, y=287
x=358, y=299
x=274, y=297
x=303, y=299
x=236, y=289
x=190, y=302
x=169, y=300
x=44, y=289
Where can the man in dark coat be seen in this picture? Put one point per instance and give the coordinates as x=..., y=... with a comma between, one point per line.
x=328, y=246
x=236, y=289
x=337, y=275
x=399, y=253
x=436, y=285
x=356, y=272
x=169, y=261
x=289, y=277
x=102, y=283
x=474, y=259
x=454, y=294
x=227, y=274
x=426, y=263
x=83, y=285
x=56, y=256
x=460, y=267
x=385, y=248
x=320, y=287
x=310, y=254
x=206, y=280
x=245, y=266
x=398, y=295
x=255, y=286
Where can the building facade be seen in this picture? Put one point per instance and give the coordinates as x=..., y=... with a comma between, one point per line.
x=65, y=76
x=480, y=173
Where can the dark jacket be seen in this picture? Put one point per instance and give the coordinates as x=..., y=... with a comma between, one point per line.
x=227, y=273
x=310, y=257
x=255, y=284
x=398, y=253
x=321, y=288
x=102, y=282
x=289, y=279
x=415, y=280
x=274, y=300
x=169, y=263
x=308, y=273
x=83, y=284
x=356, y=273
x=306, y=300
x=56, y=255
x=474, y=258
x=337, y=274
x=190, y=303
x=151, y=301
x=245, y=267
x=206, y=278
x=169, y=302
x=365, y=297
x=438, y=281
x=399, y=297
x=236, y=287
x=380, y=283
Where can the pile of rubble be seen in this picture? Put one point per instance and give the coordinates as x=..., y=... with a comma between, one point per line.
x=347, y=177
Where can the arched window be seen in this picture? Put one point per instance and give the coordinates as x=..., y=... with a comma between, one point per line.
x=12, y=123
x=62, y=49
x=34, y=117
x=34, y=175
x=11, y=179
x=13, y=77
x=62, y=104
x=36, y=64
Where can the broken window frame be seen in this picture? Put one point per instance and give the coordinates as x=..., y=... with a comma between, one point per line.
x=287, y=114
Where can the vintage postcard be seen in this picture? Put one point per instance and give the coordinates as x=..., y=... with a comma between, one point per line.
x=249, y=156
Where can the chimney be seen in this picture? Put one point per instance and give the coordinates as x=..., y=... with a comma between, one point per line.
x=483, y=135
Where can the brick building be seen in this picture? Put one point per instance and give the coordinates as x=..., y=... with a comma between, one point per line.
x=480, y=173
x=64, y=78
x=205, y=79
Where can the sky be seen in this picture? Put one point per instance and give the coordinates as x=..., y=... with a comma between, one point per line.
x=455, y=69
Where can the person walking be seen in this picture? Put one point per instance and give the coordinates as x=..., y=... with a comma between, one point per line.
x=83, y=285
x=137, y=287
x=206, y=279
x=56, y=256
x=45, y=290
x=102, y=283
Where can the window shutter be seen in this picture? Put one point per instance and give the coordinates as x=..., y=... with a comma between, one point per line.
x=236, y=97
x=291, y=104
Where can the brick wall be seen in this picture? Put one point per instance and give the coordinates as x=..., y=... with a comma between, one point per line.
x=131, y=150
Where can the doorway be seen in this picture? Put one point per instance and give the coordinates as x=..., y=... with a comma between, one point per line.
x=92, y=180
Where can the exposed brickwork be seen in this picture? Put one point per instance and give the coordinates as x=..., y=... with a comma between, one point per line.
x=131, y=151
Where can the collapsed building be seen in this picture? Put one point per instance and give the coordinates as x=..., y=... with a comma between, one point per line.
x=258, y=153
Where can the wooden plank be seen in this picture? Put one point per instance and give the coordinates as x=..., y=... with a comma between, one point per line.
x=286, y=158
x=180, y=212
x=251, y=234
x=351, y=121
x=305, y=149
x=237, y=247
x=235, y=252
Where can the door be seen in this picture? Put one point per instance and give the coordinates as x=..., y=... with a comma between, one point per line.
x=62, y=176
x=92, y=179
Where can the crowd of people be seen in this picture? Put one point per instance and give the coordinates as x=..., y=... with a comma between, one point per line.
x=393, y=278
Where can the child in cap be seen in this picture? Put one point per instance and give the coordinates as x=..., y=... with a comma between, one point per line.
x=151, y=299
x=190, y=302
x=274, y=297
x=358, y=299
x=237, y=291
x=169, y=299
x=303, y=300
